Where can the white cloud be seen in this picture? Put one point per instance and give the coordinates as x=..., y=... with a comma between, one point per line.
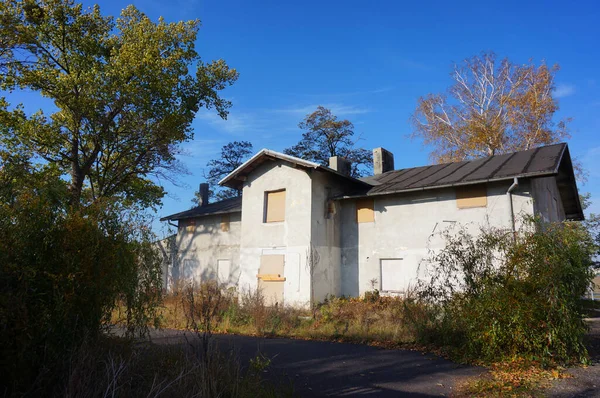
x=336, y=109
x=564, y=90
x=196, y=153
x=237, y=123
x=340, y=96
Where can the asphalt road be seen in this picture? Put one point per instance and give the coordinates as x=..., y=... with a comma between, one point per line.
x=318, y=369
x=584, y=381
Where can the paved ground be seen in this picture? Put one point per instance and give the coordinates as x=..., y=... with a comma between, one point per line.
x=585, y=381
x=319, y=369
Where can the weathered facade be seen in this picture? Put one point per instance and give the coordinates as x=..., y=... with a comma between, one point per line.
x=302, y=231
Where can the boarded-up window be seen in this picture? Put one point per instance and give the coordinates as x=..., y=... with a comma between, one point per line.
x=190, y=226
x=271, y=279
x=471, y=196
x=330, y=208
x=275, y=206
x=394, y=277
x=225, y=223
x=364, y=210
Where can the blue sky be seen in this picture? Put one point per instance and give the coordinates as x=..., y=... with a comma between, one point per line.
x=369, y=61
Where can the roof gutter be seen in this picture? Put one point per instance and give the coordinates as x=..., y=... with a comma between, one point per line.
x=177, y=217
x=170, y=223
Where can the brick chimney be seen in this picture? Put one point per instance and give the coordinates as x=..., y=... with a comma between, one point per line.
x=340, y=164
x=383, y=160
x=203, y=194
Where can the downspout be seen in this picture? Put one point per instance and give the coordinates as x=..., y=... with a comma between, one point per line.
x=514, y=185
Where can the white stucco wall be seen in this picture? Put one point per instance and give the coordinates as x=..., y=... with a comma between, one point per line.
x=326, y=251
x=325, y=234
x=167, y=250
x=200, y=249
x=290, y=237
x=404, y=228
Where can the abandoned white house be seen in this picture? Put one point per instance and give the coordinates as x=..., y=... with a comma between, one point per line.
x=301, y=231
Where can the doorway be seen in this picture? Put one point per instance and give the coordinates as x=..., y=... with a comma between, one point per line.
x=271, y=278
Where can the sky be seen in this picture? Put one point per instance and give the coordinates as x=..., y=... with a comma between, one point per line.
x=369, y=62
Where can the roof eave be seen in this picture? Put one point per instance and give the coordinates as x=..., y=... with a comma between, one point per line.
x=273, y=154
x=579, y=215
x=228, y=180
x=177, y=217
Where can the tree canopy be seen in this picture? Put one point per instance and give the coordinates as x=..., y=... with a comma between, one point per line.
x=493, y=107
x=326, y=136
x=232, y=156
x=125, y=91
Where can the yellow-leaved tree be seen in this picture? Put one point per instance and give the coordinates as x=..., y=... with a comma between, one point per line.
x=493, y=106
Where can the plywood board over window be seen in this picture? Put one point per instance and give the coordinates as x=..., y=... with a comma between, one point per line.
x=275, y=206
x=471, y=196
x=364, y=210
x=271, y=279
x=190, y=226
x=225, y=223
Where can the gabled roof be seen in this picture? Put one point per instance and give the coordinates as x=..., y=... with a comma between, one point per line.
x=551, y=160
x=237, y=177
x=232, y=205
x=531, y=163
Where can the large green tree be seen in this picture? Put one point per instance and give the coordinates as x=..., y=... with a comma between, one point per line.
x=125, y=92
x=326, y=136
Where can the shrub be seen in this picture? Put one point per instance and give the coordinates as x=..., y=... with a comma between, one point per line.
x=204, y=306
x=62, y=273
x=492, y=298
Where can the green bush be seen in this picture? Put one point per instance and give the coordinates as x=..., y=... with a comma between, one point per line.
x=493, y=298
x=62, y=273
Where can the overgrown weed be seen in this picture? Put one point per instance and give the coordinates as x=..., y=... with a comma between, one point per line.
x=116, y=368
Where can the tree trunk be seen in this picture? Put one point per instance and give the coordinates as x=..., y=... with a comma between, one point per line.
x=77, y=175
x=76, y=186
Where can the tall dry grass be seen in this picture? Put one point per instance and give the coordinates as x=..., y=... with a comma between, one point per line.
x=372, y=319
x=118, y=369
